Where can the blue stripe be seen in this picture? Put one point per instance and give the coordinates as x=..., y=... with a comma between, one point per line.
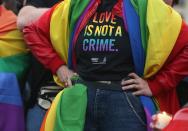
x=9, y=89
x=149, y=104
x=133, y=26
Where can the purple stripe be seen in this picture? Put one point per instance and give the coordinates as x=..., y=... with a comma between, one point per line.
x=83, y=14
x=148, y=117
x=70, y=64
x=78, y=24
x=11, y=118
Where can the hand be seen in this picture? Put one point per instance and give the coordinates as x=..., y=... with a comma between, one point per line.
x=65, y=74
x=140, y=85
x=160, y=121
x=153, y=123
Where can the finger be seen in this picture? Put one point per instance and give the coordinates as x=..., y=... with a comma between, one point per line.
x=133, y=86
x=75, y=74
x=65, y=79
x=133, y=75
x=129, y=82
x=66, y=84
x=69, y=82
x=151, y=125
x=71, y=74
x=138, y=93
x=154, y=117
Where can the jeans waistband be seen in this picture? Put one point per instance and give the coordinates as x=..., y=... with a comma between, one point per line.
x=104, y=85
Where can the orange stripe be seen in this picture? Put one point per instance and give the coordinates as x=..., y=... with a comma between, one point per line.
x=42, y=128
x=7, y=20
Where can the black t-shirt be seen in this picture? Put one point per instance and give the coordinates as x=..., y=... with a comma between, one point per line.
x=103, y=49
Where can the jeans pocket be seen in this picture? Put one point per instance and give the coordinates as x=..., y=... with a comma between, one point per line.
x=136, y=107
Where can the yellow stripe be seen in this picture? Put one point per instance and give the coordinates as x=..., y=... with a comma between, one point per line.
x=12, y=43
x=51, y=117
x=59, y=32
x=164, y=25
x=156, y=103
x=59, y=29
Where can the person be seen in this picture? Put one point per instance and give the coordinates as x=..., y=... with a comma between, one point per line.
x=101, y=41
x=42, y=88
x=14, y=64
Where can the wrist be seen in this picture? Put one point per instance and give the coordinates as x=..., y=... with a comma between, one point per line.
x=55, y=64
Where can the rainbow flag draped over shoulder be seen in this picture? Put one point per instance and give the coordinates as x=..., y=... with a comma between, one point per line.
x=152, y=25
x=13, y=65
x=153, y=28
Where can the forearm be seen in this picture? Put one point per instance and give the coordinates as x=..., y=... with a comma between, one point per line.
x=28, y=15
x=41, y=48
x=37, y=37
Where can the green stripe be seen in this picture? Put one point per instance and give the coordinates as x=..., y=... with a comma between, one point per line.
x=76, y=9
x=141, y=9
x=71, y=108
x=17, y=64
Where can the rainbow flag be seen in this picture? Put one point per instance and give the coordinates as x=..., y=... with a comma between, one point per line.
x=147, y=41
x=151, y=24
x=14, y=62
x=71, y=104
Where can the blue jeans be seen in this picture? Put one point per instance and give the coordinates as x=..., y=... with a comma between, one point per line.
x=109, y=110
x=35, y=117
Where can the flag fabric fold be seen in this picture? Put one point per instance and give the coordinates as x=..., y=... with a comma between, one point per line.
x=14, y=62
x=67, y=112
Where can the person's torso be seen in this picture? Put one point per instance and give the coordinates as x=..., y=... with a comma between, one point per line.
x=103, y=50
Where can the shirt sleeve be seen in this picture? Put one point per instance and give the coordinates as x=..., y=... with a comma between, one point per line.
x=37, y=36
x=176, y=67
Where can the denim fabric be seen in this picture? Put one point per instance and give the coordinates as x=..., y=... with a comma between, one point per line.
x=109, y=110
x=35, y=117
